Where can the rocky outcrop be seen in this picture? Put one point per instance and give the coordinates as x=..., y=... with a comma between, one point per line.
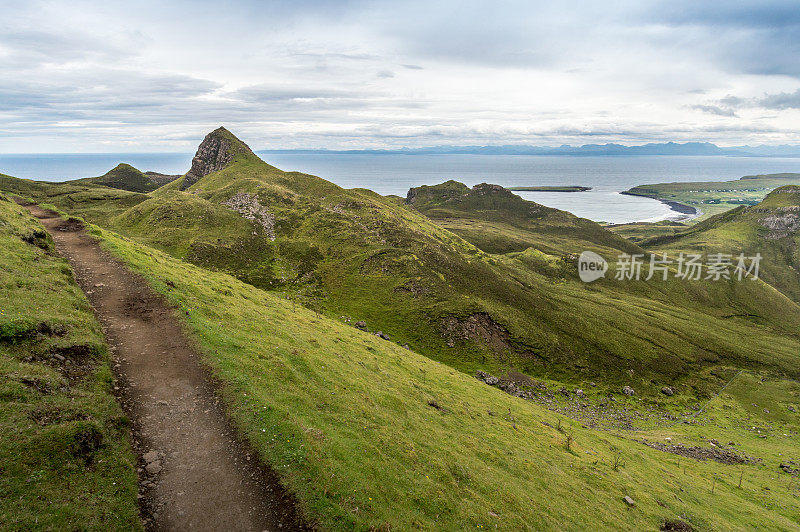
x=248, y=206
x=781, y=225
x=215, y=153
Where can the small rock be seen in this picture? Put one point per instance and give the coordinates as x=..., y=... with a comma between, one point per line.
x=792, y=409
x=99, y=285
x=150, y=456
x=593, y=384
x=154, y=468
x=59, y=357
x=627, y=390
x=628, y=501
x=381, y=334
x=406, y=346
x=580, y=393
x=361, y=324
x=668, y=391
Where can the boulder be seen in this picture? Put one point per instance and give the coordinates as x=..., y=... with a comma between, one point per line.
x=361, y=324
x=668, y=391
x=580, y=393
x=627, y=390
x=628, y=501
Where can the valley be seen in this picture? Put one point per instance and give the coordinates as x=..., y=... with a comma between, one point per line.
x=346, y=330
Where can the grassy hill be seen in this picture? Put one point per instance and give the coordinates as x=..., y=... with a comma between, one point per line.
x=358, y=256
x=770, y=228
x=372, y=436
x=65, y=456
x=270, y=272
x=126, y=177
x=498, y=221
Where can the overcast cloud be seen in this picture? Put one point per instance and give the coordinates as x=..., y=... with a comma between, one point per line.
x=144, y=76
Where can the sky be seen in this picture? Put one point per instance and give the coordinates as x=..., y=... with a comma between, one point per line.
x=108, y=76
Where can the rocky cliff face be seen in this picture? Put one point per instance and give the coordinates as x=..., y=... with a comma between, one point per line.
x=215, y=153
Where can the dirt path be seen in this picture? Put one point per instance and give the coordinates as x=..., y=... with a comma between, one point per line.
x=193, y=474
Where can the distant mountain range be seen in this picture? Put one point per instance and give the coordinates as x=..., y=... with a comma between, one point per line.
x=664, y=148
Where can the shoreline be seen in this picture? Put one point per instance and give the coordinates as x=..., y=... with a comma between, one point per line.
x=687, y=211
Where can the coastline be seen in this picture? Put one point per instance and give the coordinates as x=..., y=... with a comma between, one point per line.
x=687, y=211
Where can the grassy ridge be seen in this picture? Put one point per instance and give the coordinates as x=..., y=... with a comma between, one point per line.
x=65, y=456
x=769, y=228
x=354, y=253
x=126, y=177
x=499, y=221
x=370, y=435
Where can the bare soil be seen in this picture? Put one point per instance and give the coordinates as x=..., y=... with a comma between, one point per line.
x=194, y=472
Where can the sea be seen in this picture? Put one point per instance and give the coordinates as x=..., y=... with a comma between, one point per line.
x=396, y=173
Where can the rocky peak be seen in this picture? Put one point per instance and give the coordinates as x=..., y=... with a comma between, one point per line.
x=215, y=153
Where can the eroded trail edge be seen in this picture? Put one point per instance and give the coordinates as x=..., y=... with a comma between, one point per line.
x=194, y=475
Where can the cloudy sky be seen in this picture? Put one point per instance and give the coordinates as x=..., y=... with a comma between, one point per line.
x=100, y=76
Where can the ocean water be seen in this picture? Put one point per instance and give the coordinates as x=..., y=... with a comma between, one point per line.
x=395, y=174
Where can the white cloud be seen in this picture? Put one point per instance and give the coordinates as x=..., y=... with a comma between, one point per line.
x=155, y=76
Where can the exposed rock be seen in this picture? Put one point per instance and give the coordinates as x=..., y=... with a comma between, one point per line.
x=627, y=390
x=478, y=327
x=668, y=391
x=715, y=452
x=215, y=153
x=381, y=334
x=787, y=468
x=488, y=379
x=153, y=468
x=248, y=206
x=361, y=324
x=628, y=501
x=781, y=225
x=150, y=456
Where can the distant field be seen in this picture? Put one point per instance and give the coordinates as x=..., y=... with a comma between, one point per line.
x=714, y=197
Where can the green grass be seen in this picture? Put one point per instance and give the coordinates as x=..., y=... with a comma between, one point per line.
x=346, y=420
x=65, y=456
x=744, y=230
x=126, y=177
x=413, y=271
x=640, y=232
x=716, y=197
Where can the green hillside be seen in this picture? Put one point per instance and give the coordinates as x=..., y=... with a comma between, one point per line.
x=771, y=228
x=126, y=177
x=271, y=273
x=65, y=456
x=498, y=221
x=372, y=436
x=358, y=256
